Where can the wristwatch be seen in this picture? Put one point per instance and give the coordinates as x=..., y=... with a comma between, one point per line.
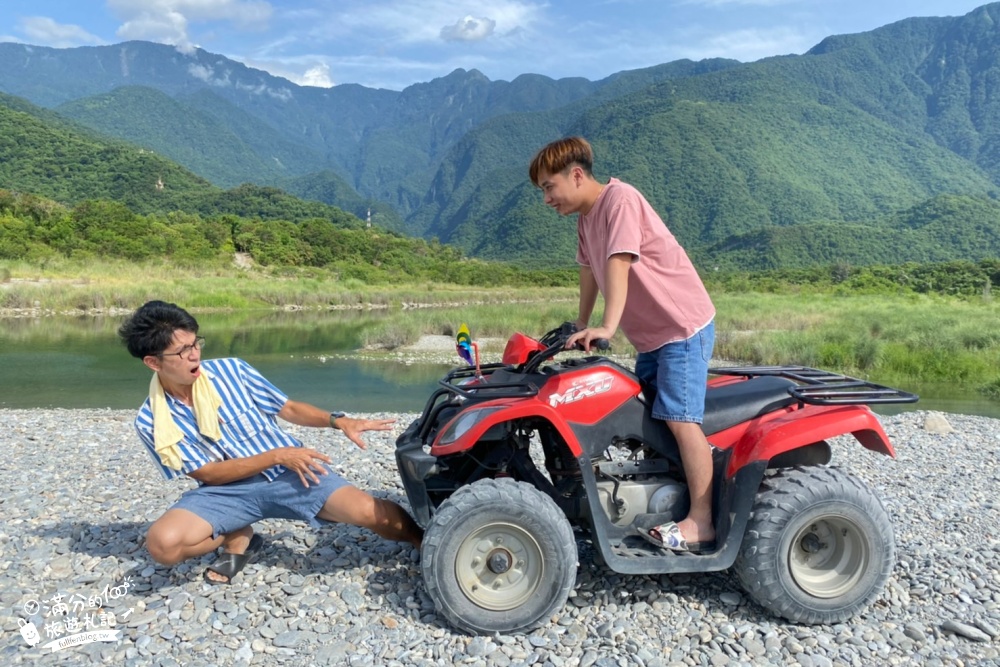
x=334, y=416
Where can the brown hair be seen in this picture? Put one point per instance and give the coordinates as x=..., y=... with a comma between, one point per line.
x=559, y=155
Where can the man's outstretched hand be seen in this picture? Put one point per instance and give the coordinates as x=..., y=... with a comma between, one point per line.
x=353, y=428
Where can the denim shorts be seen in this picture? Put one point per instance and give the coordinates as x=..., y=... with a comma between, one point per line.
x=229, y=507
x=679, y=371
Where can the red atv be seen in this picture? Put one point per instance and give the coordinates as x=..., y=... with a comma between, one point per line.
x=505, y=461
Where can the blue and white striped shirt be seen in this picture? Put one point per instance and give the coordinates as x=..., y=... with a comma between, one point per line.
x=247, y=419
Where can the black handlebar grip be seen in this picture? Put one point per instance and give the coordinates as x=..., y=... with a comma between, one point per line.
x=597, y=344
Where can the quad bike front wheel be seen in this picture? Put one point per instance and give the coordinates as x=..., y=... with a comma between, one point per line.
x=819, y=546
x=498, y=556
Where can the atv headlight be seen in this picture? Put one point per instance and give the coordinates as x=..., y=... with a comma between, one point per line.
x=464, y=422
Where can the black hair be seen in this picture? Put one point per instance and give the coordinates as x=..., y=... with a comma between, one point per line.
x=150, y=330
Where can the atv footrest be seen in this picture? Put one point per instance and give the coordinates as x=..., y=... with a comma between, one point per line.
x=625, y=551
x=635, y=547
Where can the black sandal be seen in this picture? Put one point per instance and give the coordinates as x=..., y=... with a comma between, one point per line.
x=230, y=564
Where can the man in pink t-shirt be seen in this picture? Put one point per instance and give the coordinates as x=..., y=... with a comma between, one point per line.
x=652, y=291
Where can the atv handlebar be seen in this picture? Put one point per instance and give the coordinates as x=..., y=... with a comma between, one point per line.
x=601, y=344
x=555, y=342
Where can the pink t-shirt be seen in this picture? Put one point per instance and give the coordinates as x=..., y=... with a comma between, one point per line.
x=666, y=299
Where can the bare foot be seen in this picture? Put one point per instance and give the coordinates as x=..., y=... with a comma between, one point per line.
x=694, y=532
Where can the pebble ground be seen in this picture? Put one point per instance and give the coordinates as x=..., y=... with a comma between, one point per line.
x=79, y=493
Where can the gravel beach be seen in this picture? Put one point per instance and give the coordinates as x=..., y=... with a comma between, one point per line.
x=79, y=492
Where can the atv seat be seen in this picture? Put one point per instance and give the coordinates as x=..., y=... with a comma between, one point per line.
x=735, y=403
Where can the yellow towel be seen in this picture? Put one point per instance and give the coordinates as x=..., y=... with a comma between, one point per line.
x=166, y=433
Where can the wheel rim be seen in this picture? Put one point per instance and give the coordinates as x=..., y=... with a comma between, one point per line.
x=828, y=556
x=499, y=566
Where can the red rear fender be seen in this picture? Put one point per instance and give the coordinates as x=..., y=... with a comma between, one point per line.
x=799, y=428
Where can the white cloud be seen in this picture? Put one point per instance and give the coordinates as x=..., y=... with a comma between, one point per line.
x=305, y=70
x=283, y=94
x=469, y=29
x=168, y=27
x=317, y=76
x=46, y=32
x=219, y=75
x=392, y=43
x=240, y=12
x=419, y=21
x=169, y=21
x=209, y=75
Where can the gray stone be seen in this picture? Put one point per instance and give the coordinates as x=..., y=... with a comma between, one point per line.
x=987, y=627
x=288, y=639
x=226, y=607
x=244, y=653
x=915, y=632
x=963, y=630
x=479, y=647
x=938, y=493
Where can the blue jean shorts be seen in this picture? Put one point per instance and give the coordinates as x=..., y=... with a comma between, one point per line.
x=229, y=507
x=679, y=371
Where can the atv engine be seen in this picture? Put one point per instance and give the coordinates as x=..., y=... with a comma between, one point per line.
x=623, y=500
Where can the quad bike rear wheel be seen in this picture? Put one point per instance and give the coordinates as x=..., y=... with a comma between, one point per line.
x=498, y=556
x=819, y=546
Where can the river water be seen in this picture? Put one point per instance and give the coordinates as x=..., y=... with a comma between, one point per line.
x=78, y=362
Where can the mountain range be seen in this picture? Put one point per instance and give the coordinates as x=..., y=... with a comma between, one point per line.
x=850, y=152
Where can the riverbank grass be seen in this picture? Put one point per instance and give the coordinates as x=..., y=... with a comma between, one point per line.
x=888, y=338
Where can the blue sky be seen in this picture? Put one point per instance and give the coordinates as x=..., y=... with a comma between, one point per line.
x=395, y=43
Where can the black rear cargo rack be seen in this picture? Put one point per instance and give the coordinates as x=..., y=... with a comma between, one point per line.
x=819, y=387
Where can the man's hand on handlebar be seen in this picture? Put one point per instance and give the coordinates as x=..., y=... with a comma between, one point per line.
x=590, y=337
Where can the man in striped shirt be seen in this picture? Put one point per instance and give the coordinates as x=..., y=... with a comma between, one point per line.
x=246, y=466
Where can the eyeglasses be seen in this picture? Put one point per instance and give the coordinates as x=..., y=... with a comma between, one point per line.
x=198, y=343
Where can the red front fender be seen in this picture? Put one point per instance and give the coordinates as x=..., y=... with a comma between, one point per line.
x=813, y=423
x=512, y=409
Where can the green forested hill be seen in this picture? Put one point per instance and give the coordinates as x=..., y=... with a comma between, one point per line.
x=790, y=160
x=940, y=229
x=386, y=144
x=36, y=230
x=46, y=155
x=718, y=155
x=209, y=136
x=326, y=186
x=731, y=152
x=836, y=139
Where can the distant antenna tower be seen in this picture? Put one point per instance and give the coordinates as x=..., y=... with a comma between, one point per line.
x=368, y=220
